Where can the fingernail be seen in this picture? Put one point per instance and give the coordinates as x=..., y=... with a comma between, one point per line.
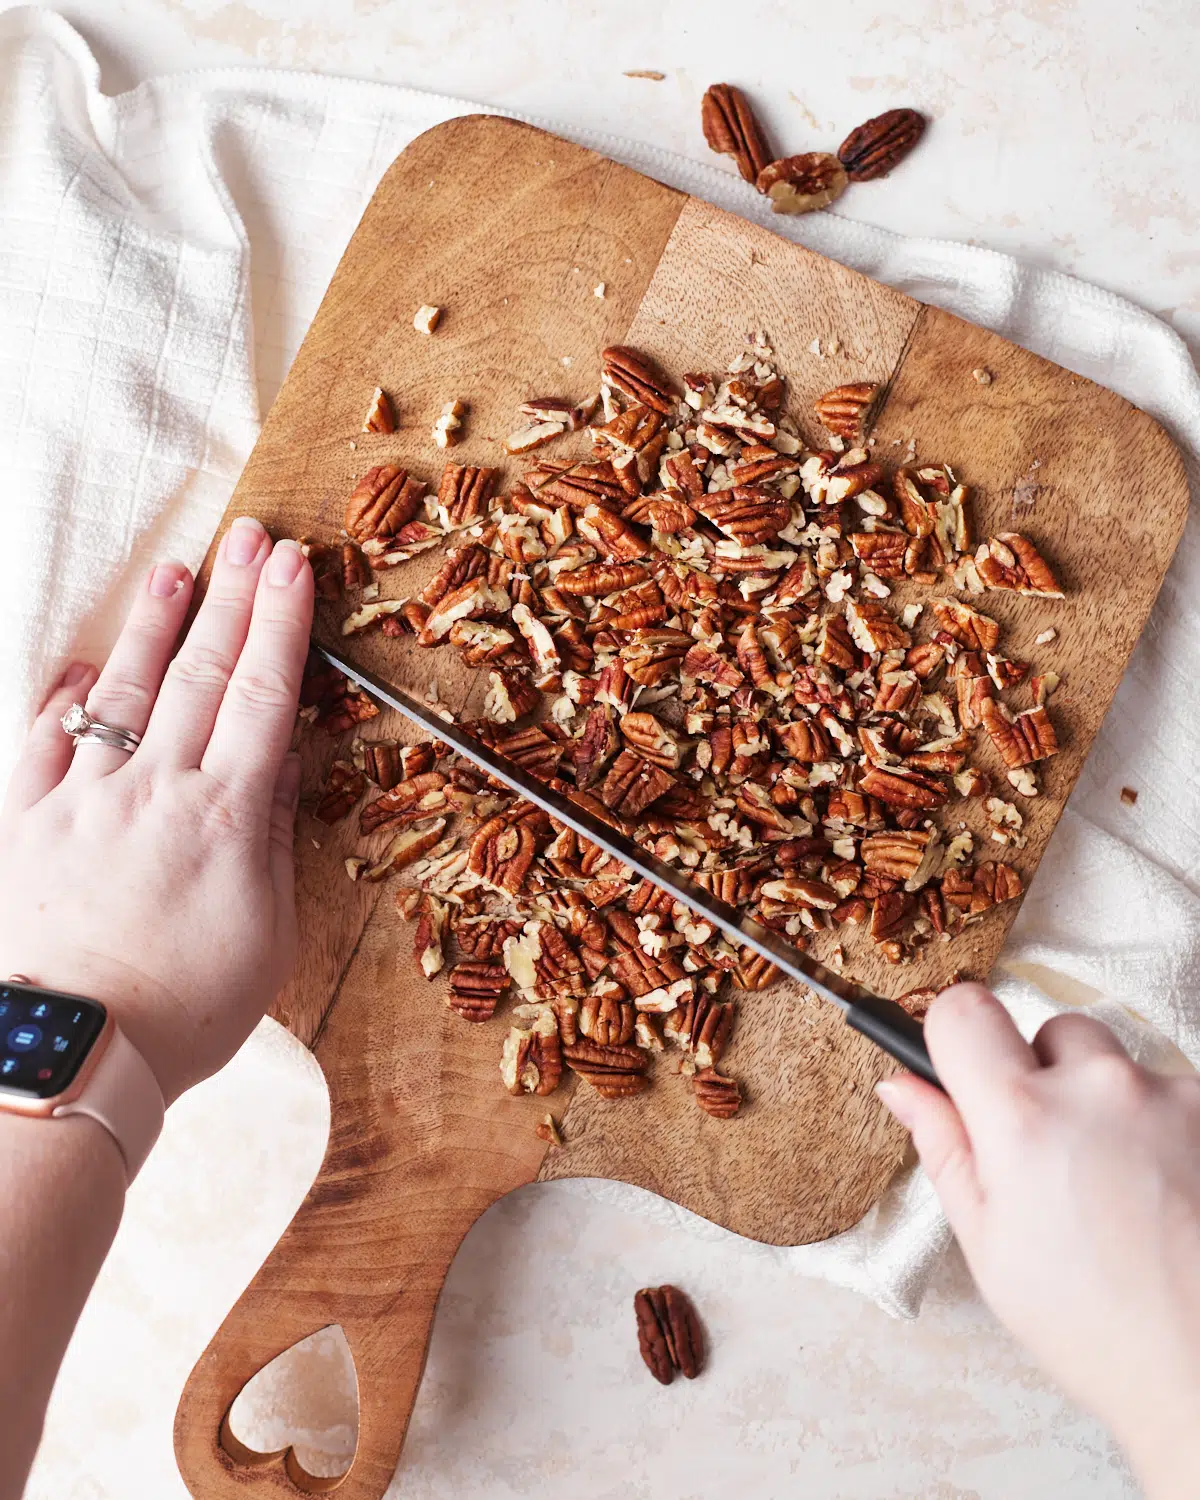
x=893, y=1098
x=284, y=563
x=166, y=579
x=76, y=673
x=244, y=540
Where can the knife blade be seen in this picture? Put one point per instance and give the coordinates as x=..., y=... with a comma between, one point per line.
x=882, y=1021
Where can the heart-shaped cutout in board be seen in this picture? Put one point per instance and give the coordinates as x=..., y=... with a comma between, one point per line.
x=301, y=1409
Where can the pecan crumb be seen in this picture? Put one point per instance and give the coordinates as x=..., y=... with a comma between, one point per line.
x=1128, y=796
x=547, y=1129
x=982, y=376
x=652, y=74
x=426, y=318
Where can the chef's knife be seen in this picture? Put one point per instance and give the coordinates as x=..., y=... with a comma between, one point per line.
x=884, y=1022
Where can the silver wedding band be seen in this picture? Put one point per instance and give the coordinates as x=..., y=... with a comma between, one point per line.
x=80, y=725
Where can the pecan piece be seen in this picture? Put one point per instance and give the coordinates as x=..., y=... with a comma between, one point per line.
x=501, y=854
x=966, y=625
x=463, y=494
x=599, y=579
x=380, y=416
x=484, y=937
x=405, y=849
x=419, y=797
x=614, y=1072
x=383, y=761
x=800, y=184
x=631, y=372
x=476, y=988
x=616, y=539
x=974, y=688
x=974, y=891
x=510, y=696
x=532, y=1059
x=474, y=598
x=883, y=552
x=754, y=972
x=1022, y=739
x=1011, y=561
x=731, y=129
x=383, y=501
x=669, y=1335
x=607, y=1020
x=596, y=746
x=431, y=927
x=344, y=786
x=633, y=784
x=903, y=788
x=716, y=1094
x=872, y=628
x=704, y=665
x=746, y=514
x=843, y=411
x=873, y=148
x=652, y=740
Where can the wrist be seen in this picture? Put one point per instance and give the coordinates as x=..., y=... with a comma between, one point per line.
x=135, y=1004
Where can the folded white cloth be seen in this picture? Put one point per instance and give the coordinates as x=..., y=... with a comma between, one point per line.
x=141, y=234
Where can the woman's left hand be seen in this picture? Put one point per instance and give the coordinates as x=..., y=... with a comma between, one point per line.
x=160, y=883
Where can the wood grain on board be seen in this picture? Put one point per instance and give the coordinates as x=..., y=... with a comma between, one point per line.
x=510, y=230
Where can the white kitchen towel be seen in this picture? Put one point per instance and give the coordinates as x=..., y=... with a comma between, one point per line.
x=157, y=246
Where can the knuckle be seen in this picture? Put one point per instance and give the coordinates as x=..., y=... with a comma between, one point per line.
x=263, y=689
x=1115, y=1078
x=118, y=690
x=201, y=667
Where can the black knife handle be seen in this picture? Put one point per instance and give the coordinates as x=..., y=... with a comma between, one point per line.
x=891, y=1027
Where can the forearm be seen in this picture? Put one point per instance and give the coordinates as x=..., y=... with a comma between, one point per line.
x=62, y=1189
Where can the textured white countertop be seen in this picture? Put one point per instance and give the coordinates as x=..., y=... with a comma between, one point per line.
x=1066, y=135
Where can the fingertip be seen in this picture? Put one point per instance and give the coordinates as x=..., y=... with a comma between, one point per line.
x=285, y=564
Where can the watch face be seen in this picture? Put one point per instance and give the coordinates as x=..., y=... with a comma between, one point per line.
x=44, y=1038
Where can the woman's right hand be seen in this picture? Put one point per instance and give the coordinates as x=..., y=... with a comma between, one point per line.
x=1071, y=1177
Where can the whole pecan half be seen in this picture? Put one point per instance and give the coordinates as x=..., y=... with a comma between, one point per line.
x=875, y=147
x=843, y=411
x=801, y=184
x=716, y=1094
x=614, y=1072
x=746, y=514
x=630, y=371
x=383, y=761
x=475, y=988
x=669, y=1334
x=633, y=784
x=463, y=494
x=731, y=129
x=383, y=500
x=419, y=797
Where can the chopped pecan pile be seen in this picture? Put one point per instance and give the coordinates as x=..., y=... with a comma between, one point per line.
x=688, y=627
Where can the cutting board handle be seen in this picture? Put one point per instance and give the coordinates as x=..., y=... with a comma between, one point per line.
x=329, y=1267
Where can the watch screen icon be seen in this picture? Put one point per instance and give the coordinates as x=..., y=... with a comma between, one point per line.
x=24, y=1038
x=40, y=1012
x=9, y=1065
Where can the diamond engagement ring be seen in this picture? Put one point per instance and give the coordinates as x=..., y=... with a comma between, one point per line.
x=80, y=725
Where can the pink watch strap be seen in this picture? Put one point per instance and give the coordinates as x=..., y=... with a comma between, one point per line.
x=123, y=1095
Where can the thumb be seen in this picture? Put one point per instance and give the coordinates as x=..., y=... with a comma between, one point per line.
x=943, y=1145
x=284, y=802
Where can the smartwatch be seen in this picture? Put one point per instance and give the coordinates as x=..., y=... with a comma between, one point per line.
x=65, y=1055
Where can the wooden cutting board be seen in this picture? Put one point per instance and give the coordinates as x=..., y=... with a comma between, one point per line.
x=511, y=230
